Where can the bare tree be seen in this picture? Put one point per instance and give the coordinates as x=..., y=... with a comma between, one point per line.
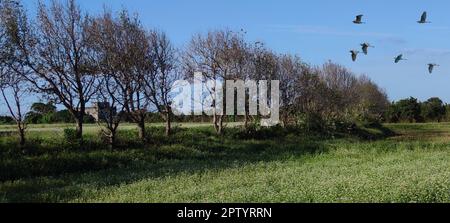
x=13, y=91
x=58, y=54
x=203, y=55
x=372, y=101
x=102, y=39
x=12, y=70
x=110, y=116
x=264, y=66
x=214, y=56
x=311, y=95
x=240, y=62
x=121, y=47
x=289, y=72
x=342, y=84
x=162, y=72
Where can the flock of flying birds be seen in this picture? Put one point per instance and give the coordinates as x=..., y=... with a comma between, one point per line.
x=365, y=46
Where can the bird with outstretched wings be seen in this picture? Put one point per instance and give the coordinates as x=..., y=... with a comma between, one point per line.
x=358, y=19
x=431, y=67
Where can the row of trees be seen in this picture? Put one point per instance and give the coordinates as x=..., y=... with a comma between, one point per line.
x=72, y=58
x=405, y=110
x=412, y=110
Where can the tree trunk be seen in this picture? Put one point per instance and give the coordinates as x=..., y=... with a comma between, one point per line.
x=112, y=140
x=21, y=135
x=141, y=129
x=215, y=123
x=168, y=124
x=79, y=122
x=219, y=125
x=81, y=119
x=246, y=121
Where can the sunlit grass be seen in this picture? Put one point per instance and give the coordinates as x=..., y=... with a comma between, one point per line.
x=413, y=166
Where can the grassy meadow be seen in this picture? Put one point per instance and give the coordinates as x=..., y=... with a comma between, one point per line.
x=390, y=163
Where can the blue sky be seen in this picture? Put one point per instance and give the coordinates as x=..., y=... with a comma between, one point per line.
x=320, y=30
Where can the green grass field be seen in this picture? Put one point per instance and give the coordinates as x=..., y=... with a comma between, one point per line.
x=196, y=166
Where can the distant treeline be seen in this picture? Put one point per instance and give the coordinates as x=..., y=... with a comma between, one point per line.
x=47, y=113
x=412, y=110
x=405, y=110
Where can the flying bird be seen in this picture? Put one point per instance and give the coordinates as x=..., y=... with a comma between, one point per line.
x=423, y=18
x=354, y=54
x=399, y=58
x=365, y=47
x=431, y=67
x=358, y=19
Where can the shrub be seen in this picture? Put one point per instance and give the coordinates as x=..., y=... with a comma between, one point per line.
x=155, y=135
x=312, y=123
x=259, y=133
x=6, y=120
x=70, y=135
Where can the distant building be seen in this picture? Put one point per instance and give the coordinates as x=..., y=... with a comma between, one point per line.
x=100, y=110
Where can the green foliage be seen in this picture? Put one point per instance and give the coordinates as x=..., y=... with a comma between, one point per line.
x=255, y=132
x=70, y=136
x=312, y=122
x=153, y=118
x=433, y=110
x=41, y=113
x=63, y=116
x=6, y=120
x=41, y=108
x=33, y=118
x=89, y=119
x=411, y=110
x=51, y=117
x=406, y=110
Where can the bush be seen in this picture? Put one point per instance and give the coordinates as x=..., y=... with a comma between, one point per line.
x=89, y=119
x=155, y=135
x=312, y=123
x=63, y=116
x=33, y=118
x=6, y=120
x=406, y=110
x=70, y=135
x=260, y=133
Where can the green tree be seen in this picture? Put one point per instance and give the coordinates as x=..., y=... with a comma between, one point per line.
x=433, y=110
x=406, y=110
x=41, y=113
x=63, y=116
x=6, y=120
x=42, y=108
